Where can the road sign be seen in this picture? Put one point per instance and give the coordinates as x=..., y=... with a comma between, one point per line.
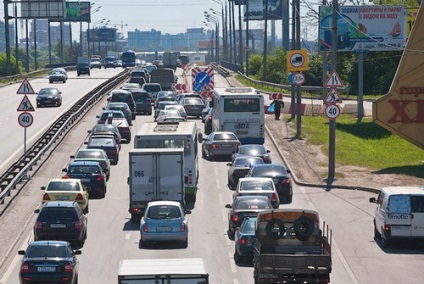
x=276, y=96
x=297, y=60
x=298, y=78
x=332, y=111
x=25, y=119
x=334, y=80
x=332, y=97
x=25, y=105
x=25, y=88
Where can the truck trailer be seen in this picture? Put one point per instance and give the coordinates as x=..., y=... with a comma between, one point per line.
x=154, y=174
x=163, y=271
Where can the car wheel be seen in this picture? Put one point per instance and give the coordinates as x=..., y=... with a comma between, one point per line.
x=135, y=218
x=51, y=81
x=290, y=198
x=86, y=209
x=204, y=153
x=231, y=233
x=78, y=73
x=103, y=193
x=237, y=257
x=377, y=235
x=64, y=81
x=76, y=279
x=185, y=244
x=385, y=242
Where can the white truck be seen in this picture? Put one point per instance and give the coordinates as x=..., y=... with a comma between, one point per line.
x=154, y=174
x=163, y=271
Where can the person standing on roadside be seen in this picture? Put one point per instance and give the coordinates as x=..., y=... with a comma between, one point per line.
x=278, y=105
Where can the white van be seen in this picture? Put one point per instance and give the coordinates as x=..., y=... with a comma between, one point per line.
x=399, y=213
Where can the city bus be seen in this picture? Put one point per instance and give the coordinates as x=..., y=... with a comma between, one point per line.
x=174, y=135
x=128, y=58
x=241, y=111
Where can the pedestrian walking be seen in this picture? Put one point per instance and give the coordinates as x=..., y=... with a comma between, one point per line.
x=278, y=105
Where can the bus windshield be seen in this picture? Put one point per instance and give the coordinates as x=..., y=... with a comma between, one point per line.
x=242, y=105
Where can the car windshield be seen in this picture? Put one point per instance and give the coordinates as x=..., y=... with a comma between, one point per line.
x=53, y=214
x=46, y=92
x=63, y=186
x=256, y=185
x=164, y=212
x=83, y=169
x=252, y=204
x=279, y=170
x=46, y=251
x=248, y=162
x=225, y=136
x=252, y=149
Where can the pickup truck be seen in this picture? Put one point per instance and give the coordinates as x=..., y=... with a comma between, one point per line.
x=291, y=247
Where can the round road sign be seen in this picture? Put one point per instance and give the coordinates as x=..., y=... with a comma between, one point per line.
x=298, y=78
x=297, y=60
x=25, y=119
x=332, y=111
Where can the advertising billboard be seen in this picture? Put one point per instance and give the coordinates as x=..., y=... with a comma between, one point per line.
x=42, y=9
x=78, y=12
x=257, y=10
x=102, y=35
x=364, y=28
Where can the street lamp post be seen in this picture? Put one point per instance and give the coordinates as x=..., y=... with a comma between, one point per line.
x=214, y=19
x=224, y=29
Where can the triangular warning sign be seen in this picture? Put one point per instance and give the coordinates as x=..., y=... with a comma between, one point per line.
x=334, y=80
x=332, y=97
x=25, y=88
x=25, y=105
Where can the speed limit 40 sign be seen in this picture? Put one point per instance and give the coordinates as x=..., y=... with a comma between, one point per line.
x=25, y=119
x=332, y=111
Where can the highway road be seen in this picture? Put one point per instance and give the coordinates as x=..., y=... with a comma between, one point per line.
x=357, y=258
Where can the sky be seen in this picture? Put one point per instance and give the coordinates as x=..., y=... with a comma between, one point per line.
x=167, y=16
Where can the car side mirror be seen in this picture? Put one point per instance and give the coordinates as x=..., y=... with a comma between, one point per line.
x=89, y=131
x=288, y=171
x=97, y=116
x=187, y=212
x=228, y=206
x=65, y=170
x=72, y=157
x=373, y=200
x=36, y=211
x=43, y=188
x=229, y=164
x=77, y=252
x=86, y=143
x=21, y=252
x=268, y=151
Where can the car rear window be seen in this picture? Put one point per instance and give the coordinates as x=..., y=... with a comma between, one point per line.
x=152, y=88
x=47, y=251
x=252, y=204
x=248, y=162
x=193, y=101
x=164, y=212
x=225, y=136
x=83, y=170
x=258, y=171
x=63, y=186
x=257, y=149
x=89, y=154
x=256, y=185
x=53, y=214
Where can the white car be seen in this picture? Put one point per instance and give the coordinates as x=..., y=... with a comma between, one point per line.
x=257, y=186
x=164, y=221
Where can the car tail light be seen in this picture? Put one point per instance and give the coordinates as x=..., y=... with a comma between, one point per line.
x=387, y=228
x=274, y=197
x=78, y=225
x=182, y=228
x=266, y=159
x=25, y=267
x=235, y=217
x=99, y=177
x=103, y=164
x=145, y=228
x=65, y=177
x=38, y=225
x=209, y=117
x=287, y=181
x=243, y=241
x=46, y=197
x=215, y=146
x=68, y=267
x=113, y=151
x=79, y=197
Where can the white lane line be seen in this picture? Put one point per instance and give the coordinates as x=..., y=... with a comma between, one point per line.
x=15, y=261
x=232, y=263
x=127, y=236
x=215, y=169
x=235, y=281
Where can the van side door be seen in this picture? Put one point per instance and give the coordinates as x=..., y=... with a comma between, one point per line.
x=417, y=215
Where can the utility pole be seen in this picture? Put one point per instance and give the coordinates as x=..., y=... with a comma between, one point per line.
x=240, y=38
x=247, y=39
x=293, y=47
x=7, y=35
x=265, y=40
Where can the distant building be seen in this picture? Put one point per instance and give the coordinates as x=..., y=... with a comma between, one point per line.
x=177, y=42
x=144, y=40
x=3, y=36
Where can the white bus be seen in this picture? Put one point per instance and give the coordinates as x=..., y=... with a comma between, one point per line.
x=241, y=111
x=174, y=135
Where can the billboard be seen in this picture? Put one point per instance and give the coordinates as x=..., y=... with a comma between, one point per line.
x=102, y=35
x=364, y=28
x=78, y=12
x=42, y=9
x=257, y=10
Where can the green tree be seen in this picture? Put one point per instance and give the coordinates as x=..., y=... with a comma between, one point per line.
x=3, y=67
x=255, y=64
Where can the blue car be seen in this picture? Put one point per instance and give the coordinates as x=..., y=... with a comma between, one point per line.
x=91, y=176
x=244, y=240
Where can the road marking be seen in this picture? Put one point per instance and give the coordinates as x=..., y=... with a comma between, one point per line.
x=235, y=281
x=127, y=236
x=215, y=169
x=232, y=263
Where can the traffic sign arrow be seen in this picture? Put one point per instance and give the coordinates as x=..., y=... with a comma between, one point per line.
x=332, y=97
x=25, y=105
x=25, y=88
x=334, y=80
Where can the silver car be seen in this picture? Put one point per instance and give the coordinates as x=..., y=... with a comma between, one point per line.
x=220, y=143
x=164, y=221
x=257, y=186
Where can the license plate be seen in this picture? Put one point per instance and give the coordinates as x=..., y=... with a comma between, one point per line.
x=241, y=132
x=46, y=269
x=241, y=125
x=195, y=108
x=57, y=225
x=85, y=180
x=226, y=146
x=164, y=229
x=63, y=197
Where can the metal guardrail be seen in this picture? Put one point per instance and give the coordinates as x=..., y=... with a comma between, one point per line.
x=222, y=71
x=19, y=170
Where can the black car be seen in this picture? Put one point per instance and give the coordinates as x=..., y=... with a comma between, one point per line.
x=91, y=175
x=123, y=96
x=49, y=97
x=143, y=102
x=49, y=261
x=129, y=115
x=193, y=106
x=240, y=167
x=245, y=206
x=106, y=129
x=109, y=62
x=61, y=220
x=106, y=143
x=279, y=174
x=253, y=150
